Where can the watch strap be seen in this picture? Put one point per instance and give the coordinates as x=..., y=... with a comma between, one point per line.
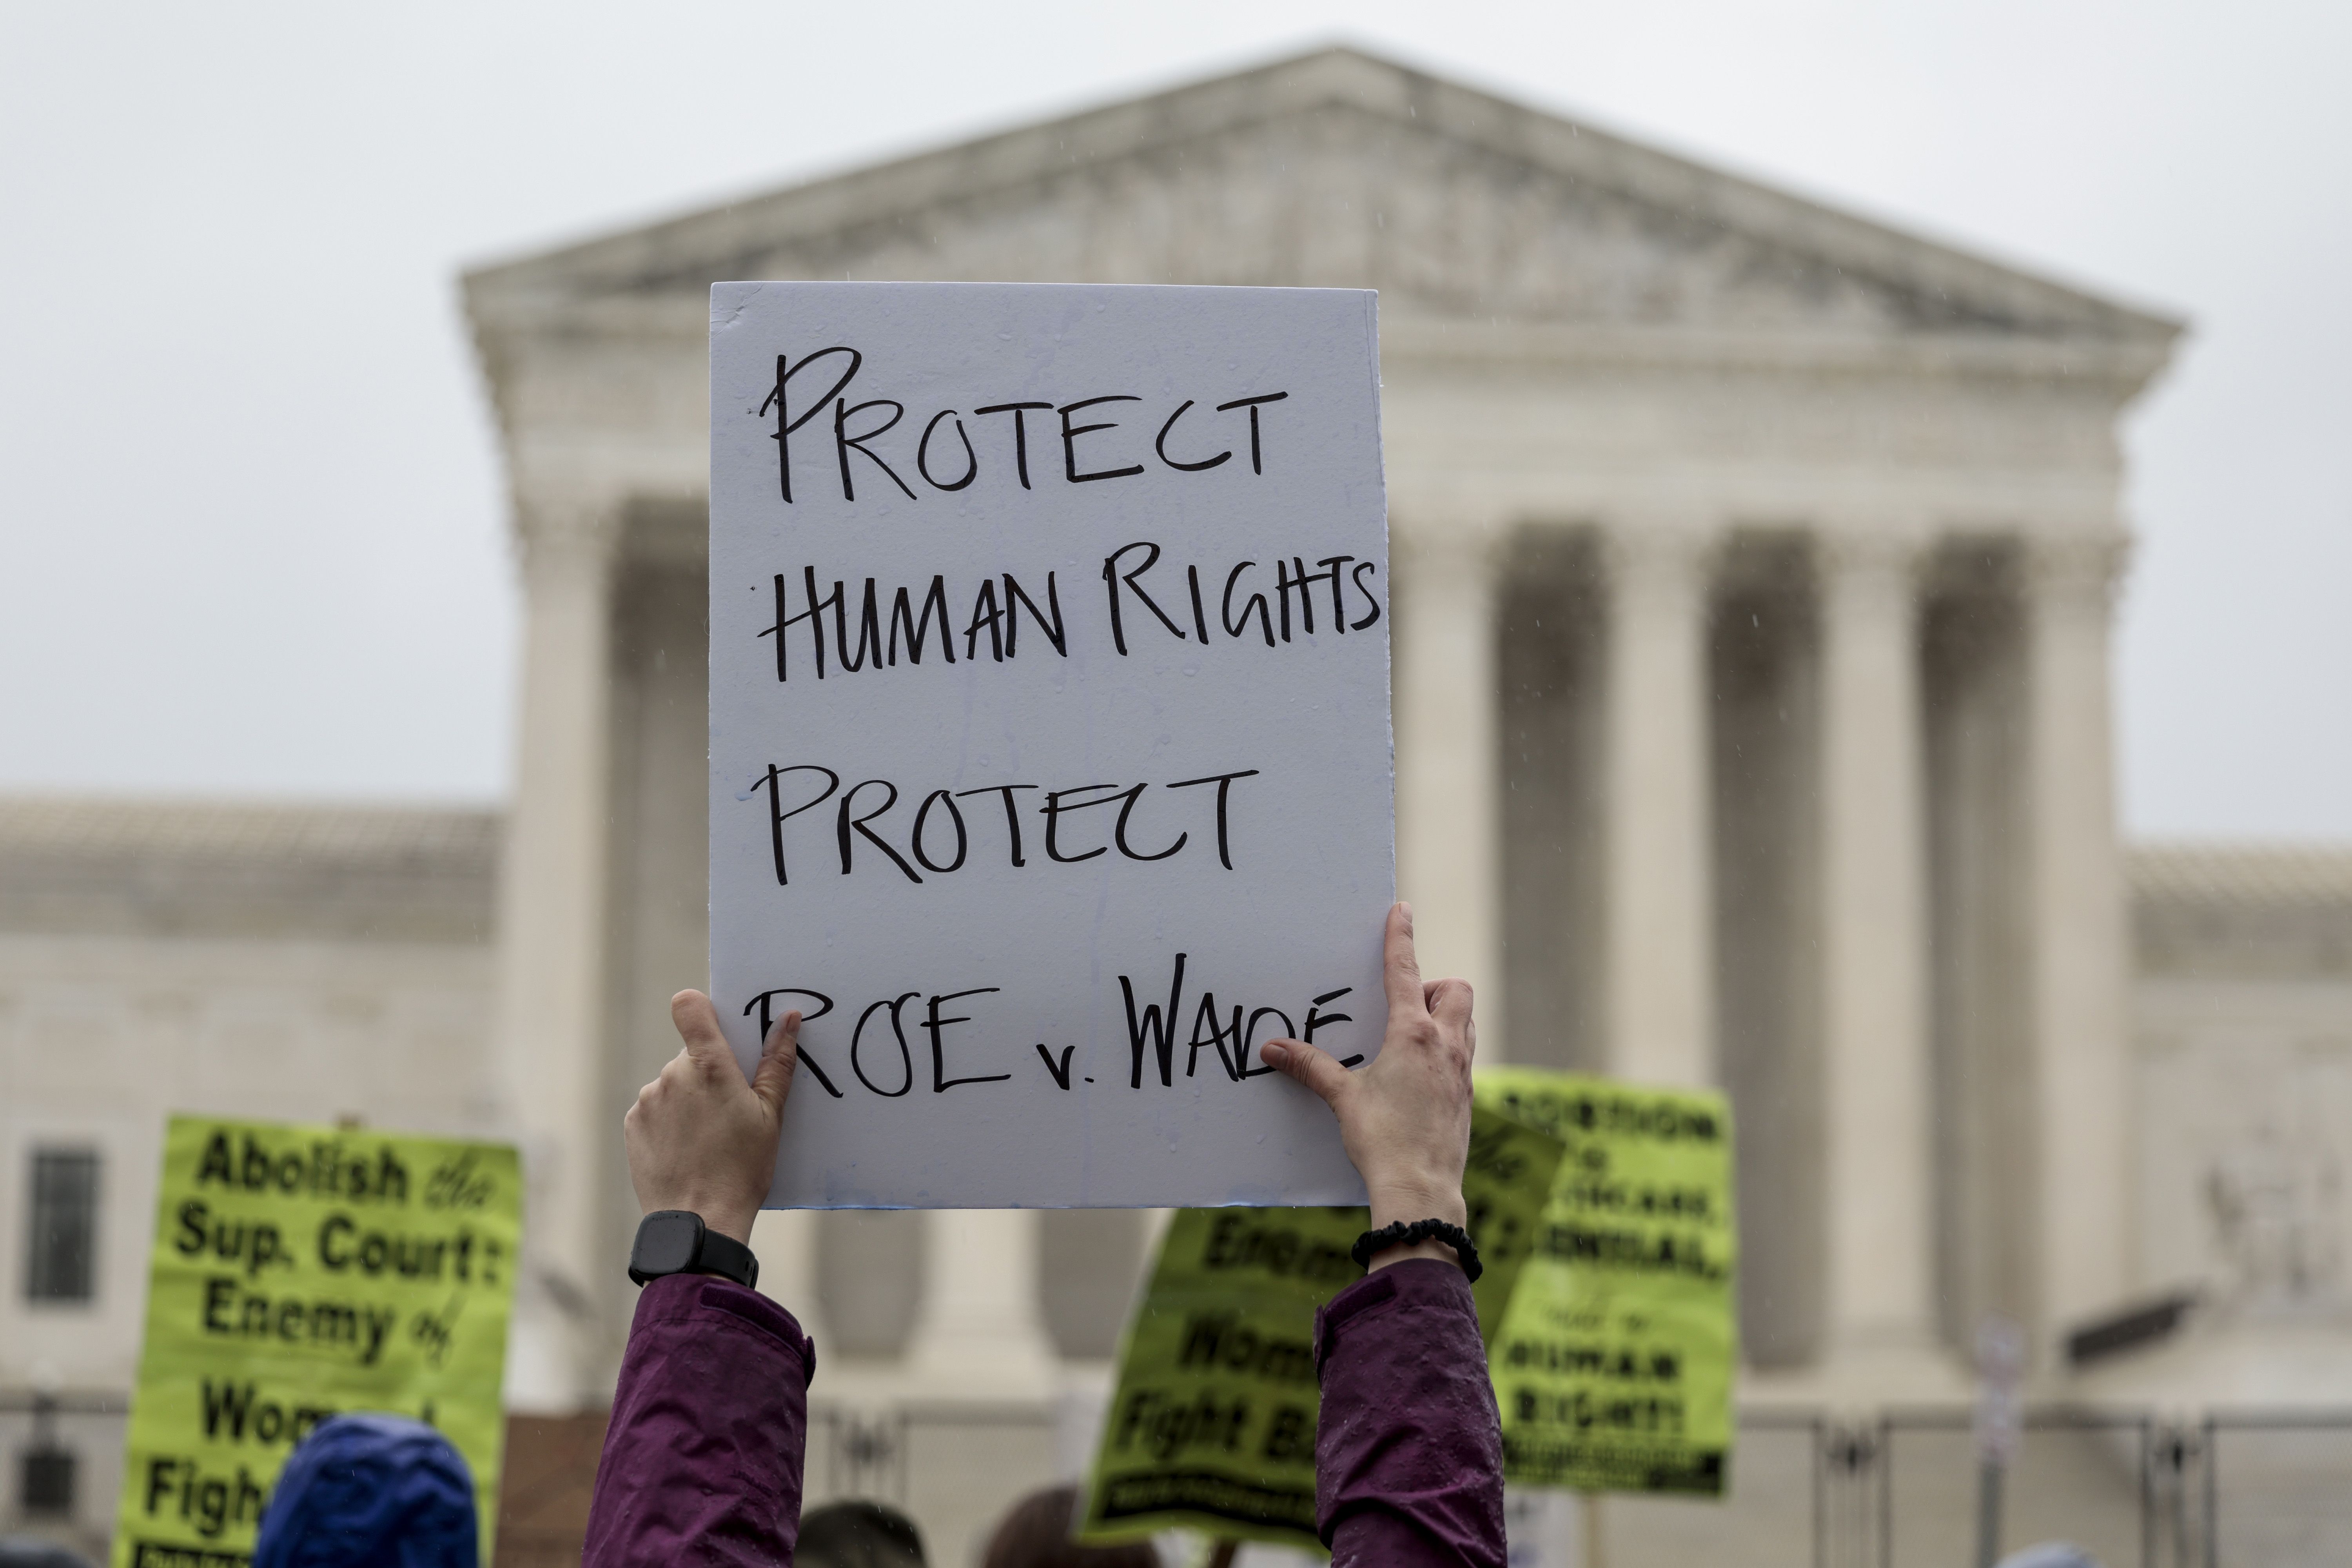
x=724, y=1256
x=1402, y=1235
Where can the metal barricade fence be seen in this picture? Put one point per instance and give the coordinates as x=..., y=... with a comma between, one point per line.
x=2080, y=1475
x=2233, y=1488
x=2237, y=1488
x=1899, y=1489
x=2275, y=1488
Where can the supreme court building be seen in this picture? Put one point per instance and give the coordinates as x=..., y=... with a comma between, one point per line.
x=1755, y=568
x=1754, y=573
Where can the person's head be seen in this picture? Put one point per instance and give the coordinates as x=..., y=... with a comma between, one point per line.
x=371, y=1492
x=1036, y=1534
x=858, y=1534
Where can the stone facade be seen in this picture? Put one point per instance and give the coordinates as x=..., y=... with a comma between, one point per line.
x=318, y=963
x=1754, y=570
x=161, y=956
x=2242, y=1020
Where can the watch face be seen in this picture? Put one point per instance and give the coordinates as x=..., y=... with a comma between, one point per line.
x=666, y=1243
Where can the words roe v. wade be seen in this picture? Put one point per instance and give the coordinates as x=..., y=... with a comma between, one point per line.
x=1049, y=731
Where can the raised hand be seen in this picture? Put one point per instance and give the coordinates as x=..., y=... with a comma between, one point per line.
x=701, y=1137
x=1405, y=1119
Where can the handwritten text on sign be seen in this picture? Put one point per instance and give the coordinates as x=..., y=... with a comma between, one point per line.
x=1049, y=739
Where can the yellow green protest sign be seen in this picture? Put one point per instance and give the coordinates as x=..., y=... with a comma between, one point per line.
x=1507, y=1186
x=299, y=1273
x=1614, y=1362
x=1211, y=1426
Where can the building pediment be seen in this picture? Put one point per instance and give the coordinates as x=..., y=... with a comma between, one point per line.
x=1341, y=169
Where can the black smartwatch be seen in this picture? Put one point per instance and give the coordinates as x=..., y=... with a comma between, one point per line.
x=673, y=1241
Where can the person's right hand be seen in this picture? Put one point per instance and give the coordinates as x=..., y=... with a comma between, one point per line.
x=1405, y=1119
x=701, y=1137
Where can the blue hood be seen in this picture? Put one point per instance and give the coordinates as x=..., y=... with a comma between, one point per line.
x=371, y=1492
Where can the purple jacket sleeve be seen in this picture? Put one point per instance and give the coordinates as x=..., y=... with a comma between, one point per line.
x=1409, y=1449
x=702, y=1460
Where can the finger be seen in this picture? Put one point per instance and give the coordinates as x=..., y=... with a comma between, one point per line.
x=773, y=1079
x=1310, y=1065
x=698, y=1026
x=1450, y=1006
x=1400, y=969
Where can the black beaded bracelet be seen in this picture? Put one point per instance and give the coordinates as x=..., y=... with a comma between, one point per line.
x=1420, y=1230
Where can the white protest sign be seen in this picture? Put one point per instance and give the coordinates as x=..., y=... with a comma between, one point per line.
x=1050, y=765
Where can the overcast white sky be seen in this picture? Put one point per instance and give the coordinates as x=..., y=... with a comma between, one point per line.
x=253, y=537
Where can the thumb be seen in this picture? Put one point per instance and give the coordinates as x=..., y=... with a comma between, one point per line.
x=1310, y=1065
x=697, y=1027
x=773, y=1081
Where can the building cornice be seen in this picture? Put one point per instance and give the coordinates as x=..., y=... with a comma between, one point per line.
x=1415, y=340
x=681, y=254
x=160, y=867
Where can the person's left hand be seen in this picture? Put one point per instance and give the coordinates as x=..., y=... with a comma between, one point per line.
x=1405, y=1119
x=702, y=1139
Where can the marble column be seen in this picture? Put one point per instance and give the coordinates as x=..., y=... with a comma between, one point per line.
x=1449, y=764
x=1878, y=1171
x=1660, y=964
x=2083, y=1089
x=980, y=1329
x=552, y=989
